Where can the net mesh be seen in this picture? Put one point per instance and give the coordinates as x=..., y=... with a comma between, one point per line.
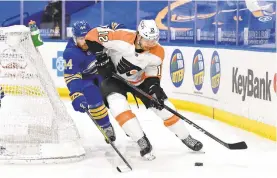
x=34, y=123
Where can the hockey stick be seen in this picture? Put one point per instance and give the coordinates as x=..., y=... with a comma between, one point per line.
x=120, y=169
x=231, y=146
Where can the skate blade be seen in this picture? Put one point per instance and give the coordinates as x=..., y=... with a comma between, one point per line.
x=123, y=169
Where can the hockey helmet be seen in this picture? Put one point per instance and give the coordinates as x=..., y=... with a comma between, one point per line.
x=80, y=28
x=149, y=30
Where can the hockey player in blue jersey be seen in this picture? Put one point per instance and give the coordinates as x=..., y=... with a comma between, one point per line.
x=2, y=94
x=81, y=81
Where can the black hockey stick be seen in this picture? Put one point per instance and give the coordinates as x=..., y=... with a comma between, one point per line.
x=120, y=169
x=231, y=146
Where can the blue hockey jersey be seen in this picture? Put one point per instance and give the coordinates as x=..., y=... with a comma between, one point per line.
x=83, y=85
x=79, y=64
x=78, y=67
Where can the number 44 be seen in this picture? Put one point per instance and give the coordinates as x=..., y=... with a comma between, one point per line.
x=68, y=65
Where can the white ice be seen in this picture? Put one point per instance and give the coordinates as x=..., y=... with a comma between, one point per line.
x=174, y=159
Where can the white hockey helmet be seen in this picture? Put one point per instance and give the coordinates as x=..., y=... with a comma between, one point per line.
x=149, y=30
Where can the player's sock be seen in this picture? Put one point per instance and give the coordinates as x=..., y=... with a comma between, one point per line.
x=130, y=124
x=100, y=113
x=175, y=125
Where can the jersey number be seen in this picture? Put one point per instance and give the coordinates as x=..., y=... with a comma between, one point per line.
x=103, y=36
x=68, y=65
x=159, y=70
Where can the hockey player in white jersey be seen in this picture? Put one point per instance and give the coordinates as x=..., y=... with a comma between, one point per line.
x=136, y=56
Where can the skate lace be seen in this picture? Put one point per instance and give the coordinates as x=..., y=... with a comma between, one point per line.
x=109, y=131
x=190, y=141
x=142, y=143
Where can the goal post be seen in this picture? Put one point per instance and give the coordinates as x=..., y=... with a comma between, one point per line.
x=34, y=123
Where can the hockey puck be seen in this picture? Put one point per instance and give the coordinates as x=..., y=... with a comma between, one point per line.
x=119, y=170
x=198, y=164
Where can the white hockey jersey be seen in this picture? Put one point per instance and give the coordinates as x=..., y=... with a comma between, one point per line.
x=120, y=47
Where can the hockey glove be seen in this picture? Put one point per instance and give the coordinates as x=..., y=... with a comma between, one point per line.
x=157, y=92
x=2, y=94
x=153, y=88
x=104, y=65
x=79, y=101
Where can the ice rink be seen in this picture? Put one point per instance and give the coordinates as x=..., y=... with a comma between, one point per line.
x=174, y=159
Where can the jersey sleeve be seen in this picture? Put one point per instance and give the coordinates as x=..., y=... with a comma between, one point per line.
x=119, y=40
x=114, y=26
x=72, y=71
x=154, y=69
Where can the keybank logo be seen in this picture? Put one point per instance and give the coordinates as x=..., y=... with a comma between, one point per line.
x=251, y=85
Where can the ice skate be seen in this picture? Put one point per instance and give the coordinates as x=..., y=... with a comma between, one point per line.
x=145, y=148
x=110, y=133
x=192, y=143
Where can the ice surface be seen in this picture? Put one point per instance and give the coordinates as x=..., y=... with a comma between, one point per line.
x=174, y=159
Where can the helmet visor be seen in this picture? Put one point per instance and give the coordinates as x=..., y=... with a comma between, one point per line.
x=150, y=42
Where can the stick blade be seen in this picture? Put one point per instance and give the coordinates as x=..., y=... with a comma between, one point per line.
x=237, y=146
x=123, y=169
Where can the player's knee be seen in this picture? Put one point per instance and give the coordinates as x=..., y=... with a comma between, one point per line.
x=120, y=108
x=118, y=103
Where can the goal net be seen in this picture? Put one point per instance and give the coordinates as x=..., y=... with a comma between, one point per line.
x=34, y=123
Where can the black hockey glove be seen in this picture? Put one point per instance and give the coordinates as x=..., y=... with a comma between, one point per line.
x=155, y=90
x=104, y=65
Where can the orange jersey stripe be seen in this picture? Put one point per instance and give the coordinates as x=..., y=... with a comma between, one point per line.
x=158, y=50
x=171, y=121
x=123, y=117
